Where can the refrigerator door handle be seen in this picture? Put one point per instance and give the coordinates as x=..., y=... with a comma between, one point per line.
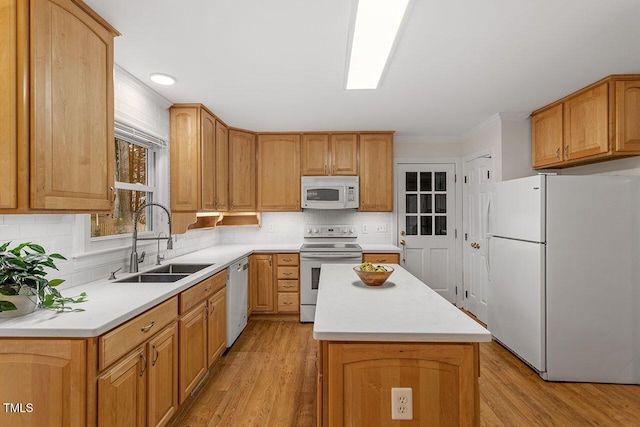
x=488, y=222
x=487, y=255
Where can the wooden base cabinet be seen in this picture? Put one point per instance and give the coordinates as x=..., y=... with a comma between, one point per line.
x=44, y=382
x=379, y=258
x=122, y=392
x=261, y=283
x=162, y=383
x=217, y=326
x=193, y=349
x=203, y=330
x=288, y=282
x=355, y=381
x=142, y=389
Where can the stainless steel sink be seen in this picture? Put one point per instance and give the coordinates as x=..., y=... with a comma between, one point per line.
x=153, y=278
x=180, y=268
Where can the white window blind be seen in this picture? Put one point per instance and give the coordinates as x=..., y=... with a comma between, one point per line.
x=136, y=136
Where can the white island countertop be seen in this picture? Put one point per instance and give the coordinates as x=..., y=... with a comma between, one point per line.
x=403, y=309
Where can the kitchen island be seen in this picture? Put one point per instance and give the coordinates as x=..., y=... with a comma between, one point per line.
x=399, y=335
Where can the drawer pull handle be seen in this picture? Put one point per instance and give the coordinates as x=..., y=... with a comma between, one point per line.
x=156, y=353
x=287, y=302
x=287, y=273
x=148, y=327
x=208, y=289
x=144, y=363
x=287, y=259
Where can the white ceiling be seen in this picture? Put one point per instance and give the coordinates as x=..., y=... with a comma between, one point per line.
x=279, y=65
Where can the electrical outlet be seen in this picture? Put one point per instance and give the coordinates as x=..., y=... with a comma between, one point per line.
x=381, y=228
x=402, y=403
x=271, y=229
x=365, y=229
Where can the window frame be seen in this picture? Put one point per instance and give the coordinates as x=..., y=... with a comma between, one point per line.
x=157, y=154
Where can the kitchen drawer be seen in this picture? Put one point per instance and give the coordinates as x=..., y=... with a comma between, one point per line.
x=287, y=259
x=288, y=285
x=124, y=338
x=381, y=258
x=202, y=290
x=287, y=273
x=288, y=302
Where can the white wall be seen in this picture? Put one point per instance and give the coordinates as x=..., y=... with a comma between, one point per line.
x=427, y=150
x=487, y=135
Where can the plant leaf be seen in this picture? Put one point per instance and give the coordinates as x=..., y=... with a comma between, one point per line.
x=55, y=282
x=7, y=306
x=36, y=248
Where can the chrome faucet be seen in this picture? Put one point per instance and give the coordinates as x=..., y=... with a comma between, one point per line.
x=133, y=263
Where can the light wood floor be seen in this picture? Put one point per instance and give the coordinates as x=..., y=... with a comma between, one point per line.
x=268, y=379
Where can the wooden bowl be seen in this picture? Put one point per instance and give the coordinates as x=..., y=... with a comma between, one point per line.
x=373, y=278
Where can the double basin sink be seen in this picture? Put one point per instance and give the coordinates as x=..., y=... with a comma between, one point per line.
x=165, y=274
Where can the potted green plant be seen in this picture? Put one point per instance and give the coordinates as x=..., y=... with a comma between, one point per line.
x=23, y=286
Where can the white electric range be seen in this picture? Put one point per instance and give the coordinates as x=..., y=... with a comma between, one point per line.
x=324, y=244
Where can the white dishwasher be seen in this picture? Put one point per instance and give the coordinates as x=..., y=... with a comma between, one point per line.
x=237, y=291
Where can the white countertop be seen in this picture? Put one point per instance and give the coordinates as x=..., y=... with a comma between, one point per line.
x=110, y=304
x=402, y=309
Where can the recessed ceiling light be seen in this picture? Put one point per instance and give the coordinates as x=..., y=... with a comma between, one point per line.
x=163, y=79
x=376, y=26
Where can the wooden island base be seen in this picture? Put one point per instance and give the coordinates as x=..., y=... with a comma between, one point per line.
x=355, y=381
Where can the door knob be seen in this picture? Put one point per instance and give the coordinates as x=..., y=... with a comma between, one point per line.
x=403, y=233
x=402, y=242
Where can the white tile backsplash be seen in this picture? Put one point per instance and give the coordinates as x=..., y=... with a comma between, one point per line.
x=288, y=227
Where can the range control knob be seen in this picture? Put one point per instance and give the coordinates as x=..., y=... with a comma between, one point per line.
x=345, y=230
x=308, y=230
x=352, y=230
x=314, y=231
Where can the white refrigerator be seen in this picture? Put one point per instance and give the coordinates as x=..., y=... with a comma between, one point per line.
x=561, y=274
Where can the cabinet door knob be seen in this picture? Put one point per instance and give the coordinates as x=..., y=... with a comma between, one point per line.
x=156, y=353
x=558, y=154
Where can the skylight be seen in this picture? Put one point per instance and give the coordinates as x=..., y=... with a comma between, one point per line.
x=376, y=26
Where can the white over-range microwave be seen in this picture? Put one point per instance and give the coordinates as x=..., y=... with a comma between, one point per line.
x=330, y=192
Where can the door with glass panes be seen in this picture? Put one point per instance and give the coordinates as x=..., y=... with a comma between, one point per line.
x=426, y=224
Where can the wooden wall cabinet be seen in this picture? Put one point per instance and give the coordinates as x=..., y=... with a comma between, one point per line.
x=198, y=159
x=376, y=172
x=261, y=283
x=279, y=172
x=242, y=171
x=23, y=365
x=599, y=122
x=324, y=154
x=56, y=109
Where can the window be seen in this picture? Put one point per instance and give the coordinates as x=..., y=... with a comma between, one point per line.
x=135, y=166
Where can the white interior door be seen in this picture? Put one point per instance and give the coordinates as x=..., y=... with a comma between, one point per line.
x=426, y=223
x=477, y=175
